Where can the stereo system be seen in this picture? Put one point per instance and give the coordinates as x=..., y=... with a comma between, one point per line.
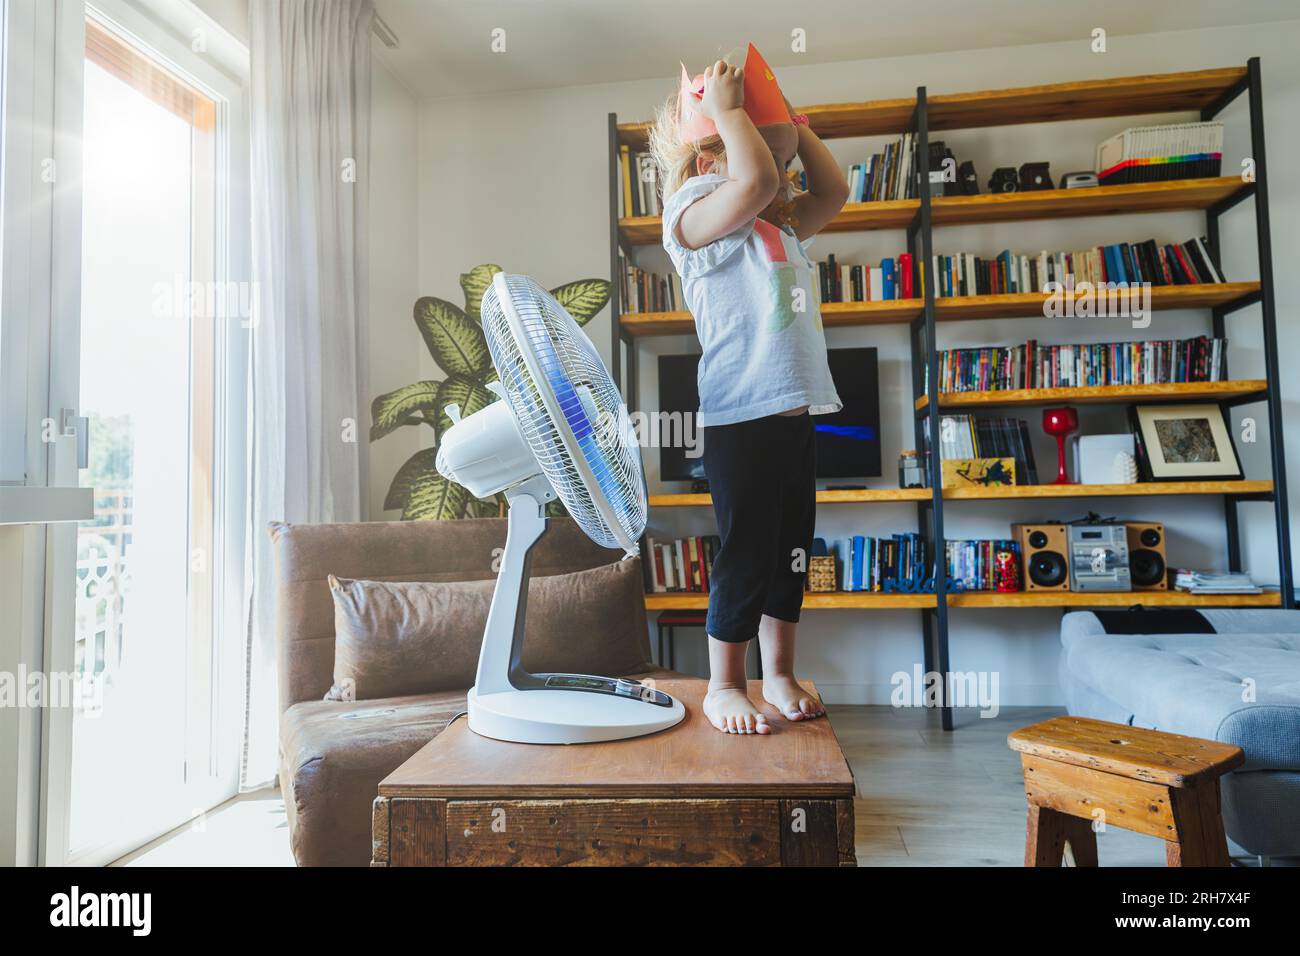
x=1093, y=557
x=1099, y=558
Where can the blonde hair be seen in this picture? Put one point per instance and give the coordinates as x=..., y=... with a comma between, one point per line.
x=676, y=158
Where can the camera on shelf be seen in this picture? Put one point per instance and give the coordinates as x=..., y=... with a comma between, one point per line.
x=1005, y=180
x=1035, y=176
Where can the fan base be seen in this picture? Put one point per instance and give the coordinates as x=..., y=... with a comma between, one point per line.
x=549, y=716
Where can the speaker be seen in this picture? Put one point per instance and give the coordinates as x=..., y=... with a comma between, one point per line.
x=1147, y=563
x=1045, y=551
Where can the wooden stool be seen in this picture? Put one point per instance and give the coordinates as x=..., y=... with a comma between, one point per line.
x=1165, y=785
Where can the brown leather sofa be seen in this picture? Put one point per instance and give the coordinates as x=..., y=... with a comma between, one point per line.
x=334, y=753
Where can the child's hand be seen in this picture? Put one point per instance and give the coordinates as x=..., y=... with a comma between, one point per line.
x=724, y=89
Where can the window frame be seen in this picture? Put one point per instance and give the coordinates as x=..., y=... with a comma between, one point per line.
x=167, y=34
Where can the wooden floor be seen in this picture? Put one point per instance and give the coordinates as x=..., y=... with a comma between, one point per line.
x=927, y=797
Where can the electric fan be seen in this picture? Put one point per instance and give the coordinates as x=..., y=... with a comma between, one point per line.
x=561, y=429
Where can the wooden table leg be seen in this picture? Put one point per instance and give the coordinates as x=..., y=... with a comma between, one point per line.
x=1047, y=832
x=1199, y=839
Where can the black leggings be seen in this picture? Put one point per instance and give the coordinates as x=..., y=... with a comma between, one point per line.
x=761, y=475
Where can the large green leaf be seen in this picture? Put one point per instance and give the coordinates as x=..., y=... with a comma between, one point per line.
x=399, y=492
x=474, y=283
x=456, y=343
x=401, y=406
x=583, y=298
x=469, y=393
x=483, y=508
x=434, y=498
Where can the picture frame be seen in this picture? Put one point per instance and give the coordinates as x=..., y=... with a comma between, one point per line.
x=1179, y=442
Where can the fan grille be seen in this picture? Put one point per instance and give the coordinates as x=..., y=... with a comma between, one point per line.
x=582, y=388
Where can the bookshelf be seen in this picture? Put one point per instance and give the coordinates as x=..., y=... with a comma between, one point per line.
x=1206, y=92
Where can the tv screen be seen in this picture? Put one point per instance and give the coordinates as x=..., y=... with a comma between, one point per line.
x=848, y=442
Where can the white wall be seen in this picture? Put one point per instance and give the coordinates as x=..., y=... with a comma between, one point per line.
x=520, y=180
x=394, y=343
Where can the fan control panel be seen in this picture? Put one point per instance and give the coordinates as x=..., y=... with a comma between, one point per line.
x=615, y=686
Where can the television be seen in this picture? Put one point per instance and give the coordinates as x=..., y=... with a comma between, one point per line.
x=848, y=442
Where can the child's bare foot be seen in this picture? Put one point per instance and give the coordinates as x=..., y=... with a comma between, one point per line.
x=731, y=711
x=785, y=693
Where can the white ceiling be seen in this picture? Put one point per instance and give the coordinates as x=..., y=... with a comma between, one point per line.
x=445, y=44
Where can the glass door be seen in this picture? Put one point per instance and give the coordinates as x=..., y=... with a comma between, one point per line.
x=150, y=746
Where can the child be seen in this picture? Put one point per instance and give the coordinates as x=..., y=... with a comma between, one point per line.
x=732, y=225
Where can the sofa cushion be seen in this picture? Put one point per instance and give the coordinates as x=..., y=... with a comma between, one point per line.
x=1195, y=684
x=413, y=637
x=333, y=754
x=306, y=554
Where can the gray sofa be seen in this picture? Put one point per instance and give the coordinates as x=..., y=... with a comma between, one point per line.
x=1239, y=684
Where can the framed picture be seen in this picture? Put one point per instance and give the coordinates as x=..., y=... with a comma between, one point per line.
x=1184, y=442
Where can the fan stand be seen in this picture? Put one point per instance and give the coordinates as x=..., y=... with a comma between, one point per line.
x=507, y=702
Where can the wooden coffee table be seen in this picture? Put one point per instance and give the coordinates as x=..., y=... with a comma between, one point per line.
x=688, y=796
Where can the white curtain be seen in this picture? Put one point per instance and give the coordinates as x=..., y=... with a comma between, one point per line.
x=310, y=158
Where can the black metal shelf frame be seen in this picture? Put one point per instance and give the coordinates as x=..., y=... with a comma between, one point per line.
x=925, y=360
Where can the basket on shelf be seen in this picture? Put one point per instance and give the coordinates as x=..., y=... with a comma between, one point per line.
x=821, y=573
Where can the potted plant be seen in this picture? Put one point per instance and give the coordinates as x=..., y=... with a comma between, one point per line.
x=454, y=337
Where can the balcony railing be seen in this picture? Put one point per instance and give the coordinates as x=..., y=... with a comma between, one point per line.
x=103, y=583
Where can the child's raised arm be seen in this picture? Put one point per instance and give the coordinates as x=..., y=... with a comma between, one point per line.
x=752, y=176
x=827, y=189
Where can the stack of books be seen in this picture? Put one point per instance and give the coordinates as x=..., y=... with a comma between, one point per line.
x=965, y=436
x=1184, y=263
x=885, y=175
x=683, y=564
x=640, y=184
x=974, y=563
x=841, y=282
x=1034, y=365
x=866, y=563
x=1142, y=154
x=643, y=291
x=1215, y=582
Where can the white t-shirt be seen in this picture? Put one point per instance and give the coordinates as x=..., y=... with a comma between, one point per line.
x=757, y=316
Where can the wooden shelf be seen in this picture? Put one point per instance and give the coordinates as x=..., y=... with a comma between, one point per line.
x=1097, y=201
x=1016, y=492
x=834, y=315
x=1031, y=304
x=1004, y=207
x=1138, y=490
x=954, y=308
x=869, y=600
x=1087, y=99
x=1169, y=598
x=1102, y=394
x=854, y=217
x=854, y=496
x=1118, y=96
x=860, y=600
